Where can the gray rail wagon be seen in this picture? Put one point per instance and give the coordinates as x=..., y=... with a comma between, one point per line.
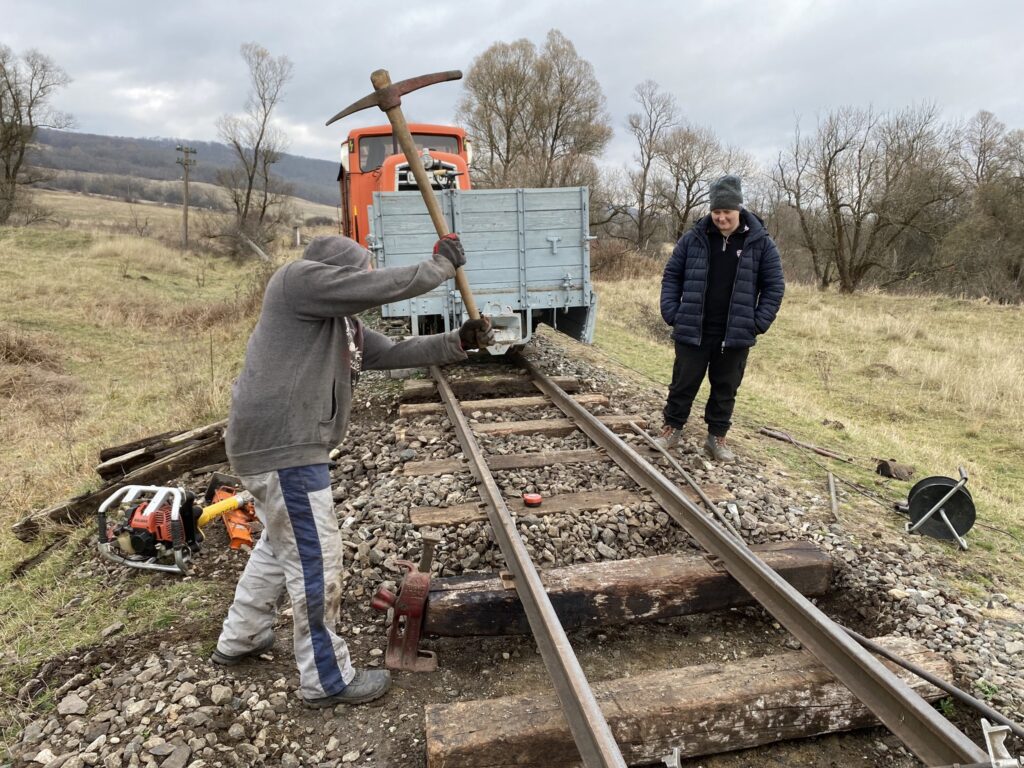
x=528, y=259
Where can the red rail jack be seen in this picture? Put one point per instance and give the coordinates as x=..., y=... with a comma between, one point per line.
x=409, y=606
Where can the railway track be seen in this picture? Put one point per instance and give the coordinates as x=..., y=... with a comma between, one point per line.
x=932, y=738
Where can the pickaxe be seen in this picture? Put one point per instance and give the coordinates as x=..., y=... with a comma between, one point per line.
x=388, y=96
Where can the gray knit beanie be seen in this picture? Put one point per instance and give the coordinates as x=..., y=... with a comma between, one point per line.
x=337, y=250
x=726, y=194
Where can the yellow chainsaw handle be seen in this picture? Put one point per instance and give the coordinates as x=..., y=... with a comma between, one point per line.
x=229, y=504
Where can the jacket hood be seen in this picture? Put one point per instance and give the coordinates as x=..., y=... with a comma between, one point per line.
x=337, y=251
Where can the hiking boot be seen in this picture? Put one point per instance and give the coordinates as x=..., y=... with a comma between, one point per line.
x=716, y=448
x=227, y=660
x=669, y=437
x=367, y=685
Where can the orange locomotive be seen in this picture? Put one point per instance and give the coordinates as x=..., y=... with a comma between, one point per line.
x=372, y=161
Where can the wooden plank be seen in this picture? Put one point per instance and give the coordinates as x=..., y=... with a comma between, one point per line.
x=704, y=710
x=157, y=447
x=552, y=427
x=75, y=510
x=507, y=461
x=411, y=410
x=424, y=389
x=199, y=432
x=468, y=513
x=119, y=450
x=113, y=466
x=617, y=591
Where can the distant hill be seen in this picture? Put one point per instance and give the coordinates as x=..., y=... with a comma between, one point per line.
x=125, y=159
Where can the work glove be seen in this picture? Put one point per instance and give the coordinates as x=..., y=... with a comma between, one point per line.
x=450, y=247
x=476, y=334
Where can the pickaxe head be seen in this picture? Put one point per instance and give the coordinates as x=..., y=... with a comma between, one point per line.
x=387, y=95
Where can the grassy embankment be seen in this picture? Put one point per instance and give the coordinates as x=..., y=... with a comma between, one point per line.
x=930, y=381
x=104, y=338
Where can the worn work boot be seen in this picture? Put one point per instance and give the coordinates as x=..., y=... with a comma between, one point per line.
x=716, y=448
x=669, y=437
x=227, y=660
x=367, y=685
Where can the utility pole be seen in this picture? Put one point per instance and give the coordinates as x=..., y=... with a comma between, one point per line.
x=185, y=162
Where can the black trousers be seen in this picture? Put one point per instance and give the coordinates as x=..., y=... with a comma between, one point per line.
x=724, y=369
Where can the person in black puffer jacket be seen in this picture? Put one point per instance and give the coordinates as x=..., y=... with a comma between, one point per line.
x=721, y=289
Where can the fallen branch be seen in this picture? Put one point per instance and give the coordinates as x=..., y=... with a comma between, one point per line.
x=778, y=434
x=256, y=249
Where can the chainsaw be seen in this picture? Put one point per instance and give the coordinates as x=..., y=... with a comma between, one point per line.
x=162, y=526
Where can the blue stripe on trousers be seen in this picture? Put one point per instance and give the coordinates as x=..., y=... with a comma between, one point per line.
x=296, y=485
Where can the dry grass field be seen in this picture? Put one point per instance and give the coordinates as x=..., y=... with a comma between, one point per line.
x=105, y=337
x=103, y=214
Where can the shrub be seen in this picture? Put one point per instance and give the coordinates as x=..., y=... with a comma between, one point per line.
x=612, y=259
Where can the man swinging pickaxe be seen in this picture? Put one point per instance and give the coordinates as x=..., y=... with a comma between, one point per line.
x=388, y=96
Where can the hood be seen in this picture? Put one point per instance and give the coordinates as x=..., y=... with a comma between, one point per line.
x=337, y=251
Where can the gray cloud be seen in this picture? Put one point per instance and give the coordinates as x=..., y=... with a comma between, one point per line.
x=746, y=70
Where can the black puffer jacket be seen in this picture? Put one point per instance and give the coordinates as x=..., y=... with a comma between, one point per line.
x=756, y=295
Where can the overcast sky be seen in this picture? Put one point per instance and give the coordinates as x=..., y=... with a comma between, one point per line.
x=747, y=70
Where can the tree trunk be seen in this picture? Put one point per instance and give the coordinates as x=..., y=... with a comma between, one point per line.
x=7, y=192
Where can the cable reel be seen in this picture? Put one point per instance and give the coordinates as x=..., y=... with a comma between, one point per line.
x=942, y=508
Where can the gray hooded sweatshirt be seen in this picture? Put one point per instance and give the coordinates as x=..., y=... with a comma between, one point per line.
x=290, y=405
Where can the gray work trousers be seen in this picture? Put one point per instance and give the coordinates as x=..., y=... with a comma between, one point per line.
x=300, y=551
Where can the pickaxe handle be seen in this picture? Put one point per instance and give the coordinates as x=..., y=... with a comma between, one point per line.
x=381, y=80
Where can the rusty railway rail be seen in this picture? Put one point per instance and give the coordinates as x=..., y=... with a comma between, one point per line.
x=923, y=730
x=587, y=723
x=931, y=737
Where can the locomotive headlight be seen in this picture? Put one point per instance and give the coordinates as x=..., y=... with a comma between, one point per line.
x=428, y=161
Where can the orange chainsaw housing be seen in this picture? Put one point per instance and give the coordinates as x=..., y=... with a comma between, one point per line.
x=156, y=522
x=149, y=528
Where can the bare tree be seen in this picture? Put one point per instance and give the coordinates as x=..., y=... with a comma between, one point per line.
x=794, y=178
x=1013, y=152
x=536, y=118
x=981, y=149
x=985, y=249
x=649, y=126
x=688, y=159
x=255, y=193
x=571, y=122
x=863, y=185
x=689, y=156
x=27, y=86
x=495, y=110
